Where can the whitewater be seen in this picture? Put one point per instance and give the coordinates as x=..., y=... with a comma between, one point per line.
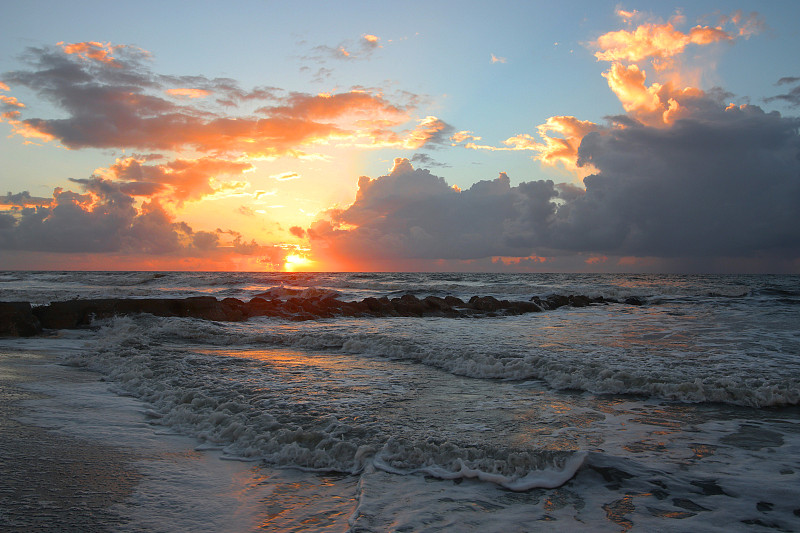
x=671, y=406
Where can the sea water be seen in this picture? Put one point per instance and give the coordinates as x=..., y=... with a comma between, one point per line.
x=677, y=414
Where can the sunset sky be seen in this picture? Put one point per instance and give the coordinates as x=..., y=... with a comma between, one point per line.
x=423, y=136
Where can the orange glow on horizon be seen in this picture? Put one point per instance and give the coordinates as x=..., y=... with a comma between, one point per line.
x=297, y=263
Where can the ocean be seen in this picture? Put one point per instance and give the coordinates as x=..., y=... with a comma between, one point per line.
x=676, y=411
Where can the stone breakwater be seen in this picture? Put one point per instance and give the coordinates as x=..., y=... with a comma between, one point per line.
x=20, y=319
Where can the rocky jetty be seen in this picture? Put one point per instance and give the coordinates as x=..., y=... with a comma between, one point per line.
x=20, y=319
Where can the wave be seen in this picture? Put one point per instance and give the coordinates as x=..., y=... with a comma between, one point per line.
x=238, y=406
x=451, y=346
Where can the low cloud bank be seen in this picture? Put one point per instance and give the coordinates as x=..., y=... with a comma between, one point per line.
x=724, y=181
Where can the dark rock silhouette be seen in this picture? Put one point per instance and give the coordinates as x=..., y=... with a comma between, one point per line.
x=19, y=319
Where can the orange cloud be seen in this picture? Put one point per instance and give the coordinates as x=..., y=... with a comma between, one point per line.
x=462, y=136
x=103, y=112
x=628, y=83
x=654, y=105
x=102, y=52
x=428, y=129
x=653, y=41
x=10, y=101
x=9, y=107
x=596, y=260
x=552, y=150
x=564, y=149
x=176, y=181
x=188, y=93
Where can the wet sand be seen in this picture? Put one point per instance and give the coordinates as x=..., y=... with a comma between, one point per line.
x=51, y=481
x=75, y=457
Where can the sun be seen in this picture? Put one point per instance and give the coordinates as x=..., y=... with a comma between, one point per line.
x=295, y=262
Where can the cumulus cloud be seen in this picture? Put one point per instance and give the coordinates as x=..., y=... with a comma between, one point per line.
x=721, y=183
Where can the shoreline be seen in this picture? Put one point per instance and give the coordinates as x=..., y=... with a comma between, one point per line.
x=76, y=457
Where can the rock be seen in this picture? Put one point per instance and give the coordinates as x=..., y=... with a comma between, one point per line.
x=634, y=300
x=17, y=320
x=520, y=308
x=372, y=304
x=452, y=301
x=579, y=301
x=408, y=305
x=260, y=307
x=488, y=304
x=557, y=300
x=438, y=305
x=235, y=310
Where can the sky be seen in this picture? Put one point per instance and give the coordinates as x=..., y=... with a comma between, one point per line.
x=586, y=136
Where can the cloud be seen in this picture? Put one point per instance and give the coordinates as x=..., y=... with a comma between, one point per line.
x=111, y=99
x=463, y=137
x=413, y=214
x=550, y=149
x=660, y=103
x=175, y=181
x=716, y=184
x=286, y=176
x=430, y=132
x=93, y=50
x=298, y=232
x=719, y=183
x=792, y=97
x=427, y=161
x=660, y=41
x=496, y=59
x=23, y=199
x=348, y=50
x=188, y=93
x=103, y=219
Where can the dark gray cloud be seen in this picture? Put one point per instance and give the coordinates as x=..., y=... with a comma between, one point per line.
x=792, y=97
x=424, y=160
x=104, y=218
x=23, y=199
x=723, y=183
x=414, y=214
